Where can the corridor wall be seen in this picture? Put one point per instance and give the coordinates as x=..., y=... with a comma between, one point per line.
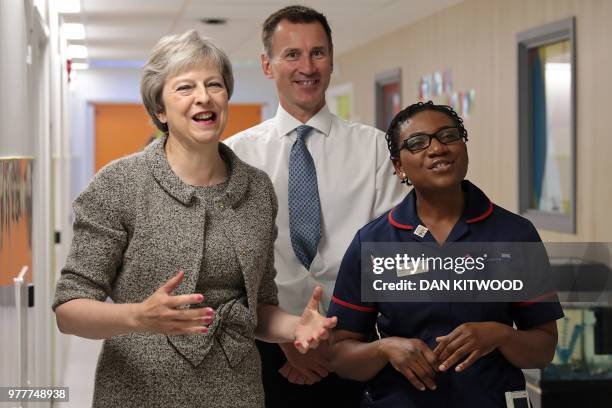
x=31, y=113
x=477, y=40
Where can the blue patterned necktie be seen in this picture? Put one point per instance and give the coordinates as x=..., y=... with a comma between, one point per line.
x=304, y=204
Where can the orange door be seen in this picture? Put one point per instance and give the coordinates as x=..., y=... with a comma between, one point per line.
x=123, y=129
x=241, y=117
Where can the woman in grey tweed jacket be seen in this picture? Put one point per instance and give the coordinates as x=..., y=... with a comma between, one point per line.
x=180, y=237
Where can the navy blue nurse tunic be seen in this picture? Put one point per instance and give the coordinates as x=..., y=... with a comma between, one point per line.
x=484, y=383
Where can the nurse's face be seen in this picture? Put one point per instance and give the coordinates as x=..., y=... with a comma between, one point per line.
x=439, y=166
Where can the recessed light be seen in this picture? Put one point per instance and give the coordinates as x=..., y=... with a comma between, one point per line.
x=73, y=31
x=68, y=6
x=77, y=51
x=214, y=21
x=80, y=65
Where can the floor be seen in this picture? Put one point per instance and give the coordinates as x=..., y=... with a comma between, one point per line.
x=81, y=360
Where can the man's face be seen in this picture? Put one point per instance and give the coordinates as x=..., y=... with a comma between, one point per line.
x=301, y=65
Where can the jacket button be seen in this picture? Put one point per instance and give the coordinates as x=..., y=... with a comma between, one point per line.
x=221, y=206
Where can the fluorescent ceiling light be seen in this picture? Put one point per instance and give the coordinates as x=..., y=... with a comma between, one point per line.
x=111, y=63
x=80, y=65
x=68, y=6
x=73, y=31
x=77, y=51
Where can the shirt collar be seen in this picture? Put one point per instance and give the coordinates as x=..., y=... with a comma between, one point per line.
x=321, y=121
x=478, y=207
x=162, y=172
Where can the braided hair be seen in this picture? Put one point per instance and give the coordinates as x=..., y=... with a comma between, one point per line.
x=402, y=117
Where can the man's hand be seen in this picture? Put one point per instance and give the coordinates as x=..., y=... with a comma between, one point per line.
x=314, y=365
x=295, y=376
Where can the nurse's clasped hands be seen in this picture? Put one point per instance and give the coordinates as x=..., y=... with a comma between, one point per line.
x=461, y=347
x=413, y=358
x=472, y=340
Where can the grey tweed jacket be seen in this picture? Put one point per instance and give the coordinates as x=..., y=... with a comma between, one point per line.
x=136, y=225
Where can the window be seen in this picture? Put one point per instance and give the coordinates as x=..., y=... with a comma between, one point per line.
x=547, y=126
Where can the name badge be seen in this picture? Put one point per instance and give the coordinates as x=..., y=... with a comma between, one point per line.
x=420, y=231
x=517, y=399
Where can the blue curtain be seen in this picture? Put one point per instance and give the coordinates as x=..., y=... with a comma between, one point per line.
x=539, y=123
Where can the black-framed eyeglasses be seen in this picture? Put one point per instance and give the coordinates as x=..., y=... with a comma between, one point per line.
x=421, y=141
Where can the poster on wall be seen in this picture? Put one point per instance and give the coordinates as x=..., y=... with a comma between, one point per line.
x=468, y=103
x=438, y=87
x=340, y=100
x=425, y=88
x=437, y=84
x=15, y=222
x=447, y=81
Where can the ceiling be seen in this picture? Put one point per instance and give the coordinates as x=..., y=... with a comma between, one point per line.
x=126, y=30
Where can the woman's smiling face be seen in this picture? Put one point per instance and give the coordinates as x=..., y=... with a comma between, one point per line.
x=196, y=104
x=439, y=166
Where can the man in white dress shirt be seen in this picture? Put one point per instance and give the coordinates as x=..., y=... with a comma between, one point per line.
x=355, y=182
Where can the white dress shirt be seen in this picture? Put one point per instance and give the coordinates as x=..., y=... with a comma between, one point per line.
x=356, y=184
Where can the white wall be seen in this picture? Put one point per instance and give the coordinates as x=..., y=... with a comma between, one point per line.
x=87, y=87
x=25, y=95
x=15, y=140
x=122, y=85
x=252, y=87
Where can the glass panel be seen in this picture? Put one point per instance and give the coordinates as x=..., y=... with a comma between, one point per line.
x=551, y=89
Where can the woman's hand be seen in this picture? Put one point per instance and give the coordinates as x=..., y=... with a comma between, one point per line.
x=413, y=358
x=473, y=340
x=167, y=314
x=312, y=326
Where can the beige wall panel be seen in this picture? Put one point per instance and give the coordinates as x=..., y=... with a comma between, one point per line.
x=477, y=40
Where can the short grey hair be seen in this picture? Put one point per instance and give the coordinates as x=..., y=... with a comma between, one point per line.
x=173, y=54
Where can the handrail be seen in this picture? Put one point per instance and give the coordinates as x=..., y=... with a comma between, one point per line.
x=21, y=307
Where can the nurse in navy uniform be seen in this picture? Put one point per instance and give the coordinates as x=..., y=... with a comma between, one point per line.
x=438, y=354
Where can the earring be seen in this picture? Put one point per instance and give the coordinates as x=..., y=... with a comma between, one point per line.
x=406, y=180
